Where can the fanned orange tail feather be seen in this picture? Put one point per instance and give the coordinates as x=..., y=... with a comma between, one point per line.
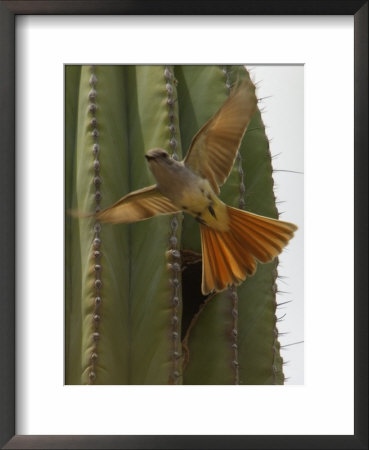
x=228, y=257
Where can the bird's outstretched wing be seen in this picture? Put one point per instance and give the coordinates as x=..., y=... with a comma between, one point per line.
x=138, y=205
x=214, y=147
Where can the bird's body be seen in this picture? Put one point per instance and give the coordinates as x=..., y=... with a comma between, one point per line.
x=232, y=240
x=188, y=191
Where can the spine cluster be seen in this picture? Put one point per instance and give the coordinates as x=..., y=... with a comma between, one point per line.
x=174, y=253
x=96, y=247
x=233, y=295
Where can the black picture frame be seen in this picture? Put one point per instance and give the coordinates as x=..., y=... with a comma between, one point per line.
x=8, y=12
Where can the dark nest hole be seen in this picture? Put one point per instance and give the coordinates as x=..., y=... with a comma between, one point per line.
x=192, y=298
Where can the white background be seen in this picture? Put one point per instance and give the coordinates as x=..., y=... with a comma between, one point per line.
x=324, y=404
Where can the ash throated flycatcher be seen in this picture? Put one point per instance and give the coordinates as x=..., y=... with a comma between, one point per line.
x=232, y=240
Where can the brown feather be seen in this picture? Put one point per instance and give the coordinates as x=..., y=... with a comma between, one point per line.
x=226, y=266
x=216, y=256
x=245, y=238
x=268, y=234
x=246, y=257
x=138, y=205
x=214, y=147
x=230, y=256
x=208, y=282
x=260, y=235
x=234, y=271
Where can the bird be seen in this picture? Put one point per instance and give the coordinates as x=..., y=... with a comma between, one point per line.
x=233, y=241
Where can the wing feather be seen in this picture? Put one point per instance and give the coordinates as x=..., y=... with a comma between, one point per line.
x=136, y=206
x=214, y=148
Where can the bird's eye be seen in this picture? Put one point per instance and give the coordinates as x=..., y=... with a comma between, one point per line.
x=164, y=155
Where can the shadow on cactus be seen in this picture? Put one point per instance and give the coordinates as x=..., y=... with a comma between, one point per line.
x=171, y=261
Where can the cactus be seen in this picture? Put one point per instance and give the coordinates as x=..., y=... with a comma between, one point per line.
x=133, y=315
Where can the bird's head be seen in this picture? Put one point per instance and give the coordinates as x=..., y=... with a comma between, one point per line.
x=160, y=163
x=157, y=155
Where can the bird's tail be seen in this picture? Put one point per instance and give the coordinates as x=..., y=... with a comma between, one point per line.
x=230, y=256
